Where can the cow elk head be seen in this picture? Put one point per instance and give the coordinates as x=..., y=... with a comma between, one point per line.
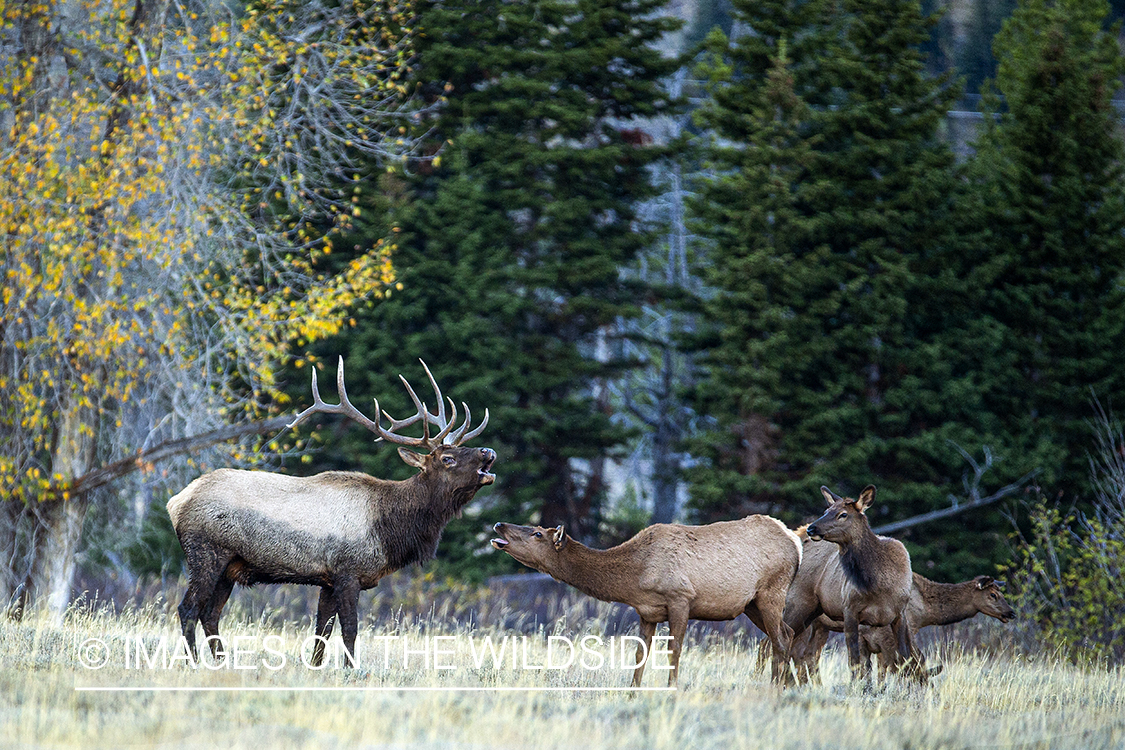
x=534, y=546
x=844, y=521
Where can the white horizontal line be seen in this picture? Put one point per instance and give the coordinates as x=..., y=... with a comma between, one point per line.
x=381, y=689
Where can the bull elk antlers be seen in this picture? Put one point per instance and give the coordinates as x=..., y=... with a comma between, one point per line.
x=446, y=434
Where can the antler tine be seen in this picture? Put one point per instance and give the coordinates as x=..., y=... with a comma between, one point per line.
x=441, y=423
x=317, y=402
x=391, y=437
x=378, y=411
x=477, y=431
x=440, y=437
x=455, y=438
x=344, y=407
x=397, y=423
x=422, y=411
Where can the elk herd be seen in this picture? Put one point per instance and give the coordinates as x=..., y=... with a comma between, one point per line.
x=344, y=531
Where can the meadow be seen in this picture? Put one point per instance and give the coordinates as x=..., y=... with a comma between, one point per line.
x=989, y=695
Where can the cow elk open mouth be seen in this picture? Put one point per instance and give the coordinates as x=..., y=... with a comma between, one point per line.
x=499, y=542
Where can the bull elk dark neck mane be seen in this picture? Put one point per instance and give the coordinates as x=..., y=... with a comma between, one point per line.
x=411, y=530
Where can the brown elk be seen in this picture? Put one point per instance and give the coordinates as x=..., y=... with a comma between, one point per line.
x=867, y=582
x=931, y=603
x=672, y=573
x=342, y=531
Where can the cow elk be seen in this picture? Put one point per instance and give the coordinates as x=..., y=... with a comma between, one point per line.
x=866, y=582
x=931, y=603
x=342, y=531
x=672, y=573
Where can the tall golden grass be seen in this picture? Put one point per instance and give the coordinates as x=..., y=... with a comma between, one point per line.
x=983, y=698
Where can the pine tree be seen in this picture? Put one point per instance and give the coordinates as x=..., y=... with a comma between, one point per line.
x=829, y=218
x=1047, y=189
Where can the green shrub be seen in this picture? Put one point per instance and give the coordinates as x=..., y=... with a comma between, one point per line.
x=1068, y=571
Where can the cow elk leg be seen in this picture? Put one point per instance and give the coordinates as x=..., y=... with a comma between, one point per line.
x=648, y=630
x=677, y=624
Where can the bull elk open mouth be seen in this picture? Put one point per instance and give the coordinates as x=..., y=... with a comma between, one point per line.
x=486, y=476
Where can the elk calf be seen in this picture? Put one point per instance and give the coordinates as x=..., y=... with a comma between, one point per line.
x=342, y=531
x=672, y=573
x=866, y=582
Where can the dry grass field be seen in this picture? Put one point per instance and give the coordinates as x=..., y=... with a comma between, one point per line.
x=986, y=697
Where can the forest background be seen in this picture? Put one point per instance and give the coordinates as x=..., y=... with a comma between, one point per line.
x=696, y=259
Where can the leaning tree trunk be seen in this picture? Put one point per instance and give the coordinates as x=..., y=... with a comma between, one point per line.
x=9, y=553
x=60, y=520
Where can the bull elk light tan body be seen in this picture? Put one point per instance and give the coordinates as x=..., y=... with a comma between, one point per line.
x=672, y=573
x=865, y=580
x=342, y=531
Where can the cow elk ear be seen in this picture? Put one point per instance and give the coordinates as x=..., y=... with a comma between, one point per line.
x=417, y=460
x=866, y=498
x=830, y=497
x=984, y=582
x=559, y=537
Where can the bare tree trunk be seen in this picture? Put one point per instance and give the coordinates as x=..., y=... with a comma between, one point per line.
x=9, y=554
x=668, y=427
x=60, y=521
x=55, y=557
x=665, y=475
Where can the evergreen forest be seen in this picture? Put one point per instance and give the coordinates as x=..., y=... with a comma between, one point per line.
x=695, y=265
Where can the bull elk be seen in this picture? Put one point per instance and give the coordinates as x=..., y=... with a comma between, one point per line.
x=342, y=531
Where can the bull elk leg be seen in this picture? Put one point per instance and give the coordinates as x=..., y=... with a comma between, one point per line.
x=325, y=619
x=648, y=630
x=677, y=624
x=346, y=593
x=206, y=563
x=213, y=611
